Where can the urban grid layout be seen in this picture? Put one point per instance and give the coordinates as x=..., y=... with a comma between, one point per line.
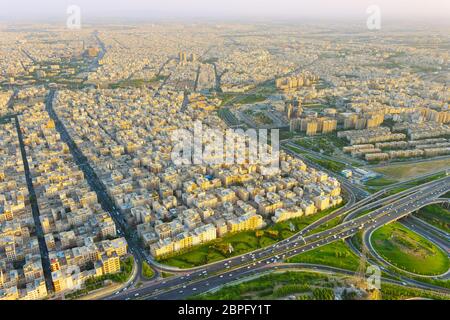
x=94, y=206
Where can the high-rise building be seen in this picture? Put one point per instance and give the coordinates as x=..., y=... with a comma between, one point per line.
x=311, y=128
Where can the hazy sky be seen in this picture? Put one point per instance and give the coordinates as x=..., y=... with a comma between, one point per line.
x=338, y=9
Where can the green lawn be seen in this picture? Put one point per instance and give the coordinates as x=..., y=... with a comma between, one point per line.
x=327, y=143
x=314, y=106
x=395, y=292
x=253, y=98
x=436, y=215
x=380, y=182
x=147, y=271
x=136, y=83
x=357, y=240
x=334, y=166
x=306, y=286
x=403, y=171
x=167, y=274
x=336, y=254
x=409, y=251
x=296, y=150
x=330, y=224
x=270, y=286
x=286, y=134
x=227, y=97
x=242, y=242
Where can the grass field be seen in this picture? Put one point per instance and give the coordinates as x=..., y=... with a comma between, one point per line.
x=415, y=183
x=272, y=286
x=242, y=242
x=380, y=182
x=296, y=150
x=436, y=215
x=286, y=134
x=330, y=224
x=326, y=143
x=227, y=97
x=136, y=83
x=409, y=251
x=167, y=274
x=147, y=271
x=305, y=286
x=334, y=166
x=336, y=254
x=253, y=98
x=404, y=171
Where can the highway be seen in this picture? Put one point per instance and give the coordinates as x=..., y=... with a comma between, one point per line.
x=415, y=226
x=223, y=272
x=322, y=156
x=208, y=285
x=430, y=228
x=388, y=199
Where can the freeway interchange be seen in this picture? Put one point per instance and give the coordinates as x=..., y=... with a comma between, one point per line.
x=186, y=283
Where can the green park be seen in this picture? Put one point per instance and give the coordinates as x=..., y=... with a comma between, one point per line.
x=409, y=251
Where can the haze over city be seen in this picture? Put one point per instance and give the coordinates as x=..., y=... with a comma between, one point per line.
x=225, y=9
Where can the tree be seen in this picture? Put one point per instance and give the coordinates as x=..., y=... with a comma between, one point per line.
x=147, y=271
